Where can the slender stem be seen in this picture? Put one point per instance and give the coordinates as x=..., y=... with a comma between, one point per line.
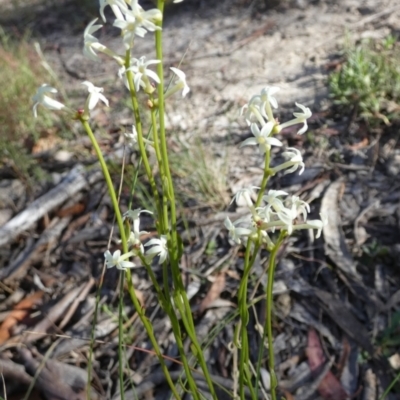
x=109, y=183
x=389, y=388
x=139, y=129
x=156, y=140
x=244, y=319
x=268, y=319
x=266, y=176
x=172, y=235
x=244, y=359
x=153, y=279
x=147, y=325
x=168, y=187
x=121, y=357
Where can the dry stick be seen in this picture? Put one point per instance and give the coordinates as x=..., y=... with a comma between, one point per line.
x=73, y=183
x=19, y=267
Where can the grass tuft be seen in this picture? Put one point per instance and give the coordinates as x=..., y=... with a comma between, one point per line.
x=368, y=82
x=202, y=176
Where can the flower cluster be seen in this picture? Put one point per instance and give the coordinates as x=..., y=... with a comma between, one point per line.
x=275, y=210
x=133, y=21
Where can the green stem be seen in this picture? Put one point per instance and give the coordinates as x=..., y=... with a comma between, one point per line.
x=139, y=129
x=268, y=318
x=121, y=357
x=168, y=187
x=244, y=359
x=109, y=184
x=266, y=176
x=389, y=388
x=147, y=325
x=244, y=319
x=173, y=243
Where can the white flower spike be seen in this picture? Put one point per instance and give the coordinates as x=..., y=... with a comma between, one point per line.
x=41, y=98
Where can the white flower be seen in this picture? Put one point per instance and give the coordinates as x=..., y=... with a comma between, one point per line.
x=253, y=111
x=133, y=215
x=131, y=137
x=41, y=98
x=136, y=22
x=267, y=95
x=267, y=100
x=116, y=6
x=136, y=233
x=179, y=84
x=301, y=118
x=148, y=18
x=283, y=214
x=273, y=199
x=159, y=248
x=317, y=224
x=236, y=233
x=95, y=95
x=129, y=29
x=246, y=193
x=141, y=73
x=116, y=260
x=300, y=207
x=90, y=41
x=92, y=44
x=135, y=243
x=295, y=160
x=262, y=138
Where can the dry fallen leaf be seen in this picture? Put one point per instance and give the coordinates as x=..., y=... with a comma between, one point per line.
x=215, y=290
x=19, y=312
x=330, y=387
